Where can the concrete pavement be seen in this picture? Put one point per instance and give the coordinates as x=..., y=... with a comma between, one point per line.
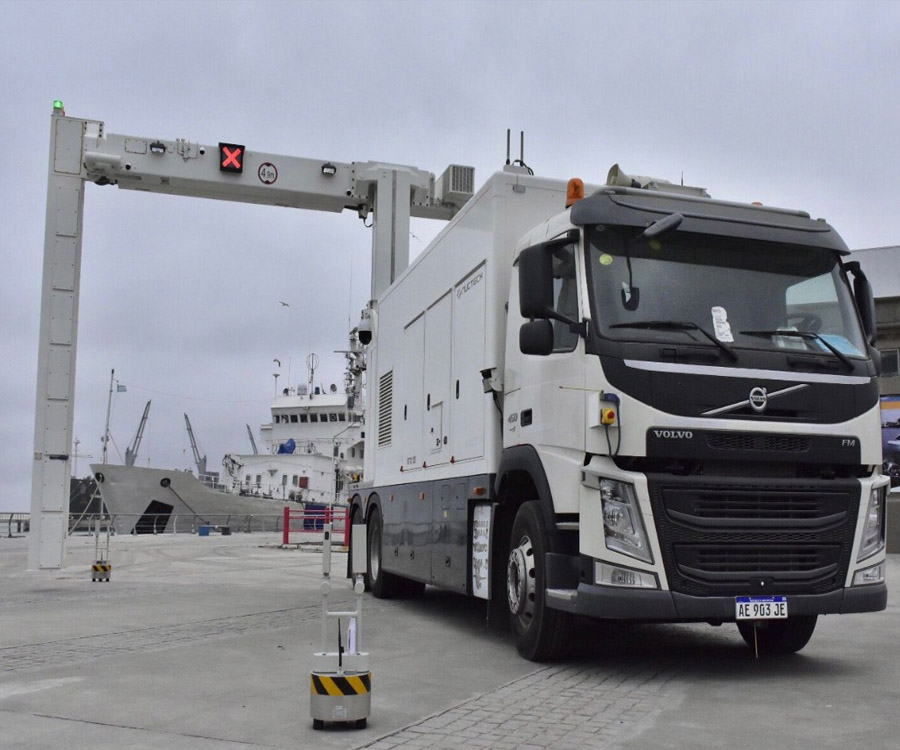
x=205, y=644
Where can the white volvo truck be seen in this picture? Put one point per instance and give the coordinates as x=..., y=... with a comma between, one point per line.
x=643, y=405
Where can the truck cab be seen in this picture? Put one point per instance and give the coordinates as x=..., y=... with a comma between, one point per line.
x=691, y=420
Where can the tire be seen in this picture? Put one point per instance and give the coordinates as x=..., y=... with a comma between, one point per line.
x=540, y=633
x=383, y=585
x=778, y=636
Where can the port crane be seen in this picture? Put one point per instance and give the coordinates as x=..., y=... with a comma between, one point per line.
x=252, y=441
x=132, y=451
x=199, y=460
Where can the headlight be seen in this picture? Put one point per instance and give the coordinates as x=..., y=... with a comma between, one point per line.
x=622, y=523
x=873, y=533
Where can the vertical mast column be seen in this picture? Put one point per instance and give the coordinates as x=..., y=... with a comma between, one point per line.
x=55, y=400
x=390, y=230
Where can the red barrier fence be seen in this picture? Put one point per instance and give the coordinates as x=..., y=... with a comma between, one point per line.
x=311, y=520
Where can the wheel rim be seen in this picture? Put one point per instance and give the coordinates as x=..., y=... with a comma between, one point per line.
x=375, y=550
x=520, y=577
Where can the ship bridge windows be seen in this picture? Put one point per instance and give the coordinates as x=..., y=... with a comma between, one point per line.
x=304, y=418
x=293, y=419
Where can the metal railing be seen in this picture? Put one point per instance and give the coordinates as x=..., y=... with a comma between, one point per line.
x=300, y=520
x=184, y=523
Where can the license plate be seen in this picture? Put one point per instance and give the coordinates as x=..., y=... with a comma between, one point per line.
x=760, y=607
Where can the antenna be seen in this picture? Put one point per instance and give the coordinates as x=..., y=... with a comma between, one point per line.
x=522, y=147
x=507, y=147
x=312, y=362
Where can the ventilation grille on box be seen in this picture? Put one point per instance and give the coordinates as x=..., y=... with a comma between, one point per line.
x=385, y=408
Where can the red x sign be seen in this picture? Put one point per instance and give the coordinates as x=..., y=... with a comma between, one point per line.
x=231, y=157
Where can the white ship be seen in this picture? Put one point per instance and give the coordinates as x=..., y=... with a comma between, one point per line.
x=312, y=452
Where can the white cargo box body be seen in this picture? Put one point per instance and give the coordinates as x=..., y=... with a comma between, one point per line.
x=439, y=326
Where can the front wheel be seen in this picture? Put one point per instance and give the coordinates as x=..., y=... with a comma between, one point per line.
x=778, y=636
x=540, y=633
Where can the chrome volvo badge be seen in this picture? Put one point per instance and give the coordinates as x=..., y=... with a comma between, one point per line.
x=758, y=399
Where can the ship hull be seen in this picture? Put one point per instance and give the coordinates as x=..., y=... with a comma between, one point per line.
x=145, y=500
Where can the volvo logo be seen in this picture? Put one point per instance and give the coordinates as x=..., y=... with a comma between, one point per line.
x=758, y=399
x=674, y=434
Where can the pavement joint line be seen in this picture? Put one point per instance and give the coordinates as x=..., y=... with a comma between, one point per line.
x=147, y=730
x=87, y=647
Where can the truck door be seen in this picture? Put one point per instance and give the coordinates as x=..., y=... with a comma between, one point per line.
x=548, y=409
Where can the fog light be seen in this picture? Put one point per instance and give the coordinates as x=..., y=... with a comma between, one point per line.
x=866, y=577
x=615, y=575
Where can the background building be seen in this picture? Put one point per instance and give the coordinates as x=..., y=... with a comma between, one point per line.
x=882, y=266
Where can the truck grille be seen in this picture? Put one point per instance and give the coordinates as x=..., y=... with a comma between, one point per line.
x=736, y=441
x=747, y=536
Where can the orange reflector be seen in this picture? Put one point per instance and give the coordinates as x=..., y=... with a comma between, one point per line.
x=574, y=191
x=478, y=491
x=756, y=203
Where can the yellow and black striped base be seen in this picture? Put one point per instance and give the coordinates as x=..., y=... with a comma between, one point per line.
x=335, y=685
x=100, y=571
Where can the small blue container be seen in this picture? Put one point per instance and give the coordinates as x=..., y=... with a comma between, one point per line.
x=203, y=531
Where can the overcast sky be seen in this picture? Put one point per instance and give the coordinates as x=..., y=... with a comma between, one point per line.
x=793, y=104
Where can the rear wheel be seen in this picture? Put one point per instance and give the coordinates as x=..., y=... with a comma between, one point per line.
x=778, y=636
x=540, y=633
x=383, y=584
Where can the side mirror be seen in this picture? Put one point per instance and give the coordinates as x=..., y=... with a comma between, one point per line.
x=536, y=337
x=535, y=282
x=876, y=359
x=865, y=300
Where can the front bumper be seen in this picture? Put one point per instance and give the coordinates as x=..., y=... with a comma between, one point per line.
x=605, y=602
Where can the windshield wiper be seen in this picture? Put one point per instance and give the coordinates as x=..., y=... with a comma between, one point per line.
x=674, y=325
x=810, y=336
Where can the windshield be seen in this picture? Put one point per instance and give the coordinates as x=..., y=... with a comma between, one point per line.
x=691, y=288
